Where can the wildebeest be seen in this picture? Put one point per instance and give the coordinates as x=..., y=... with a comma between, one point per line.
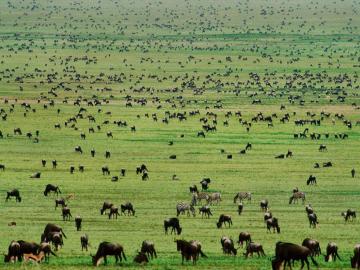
x=148, y=248
x=13, y=193
x=205, y=210
x=240, y=208
x=355, y=260
x=174, y=224
x=349, y=214
x=223, y=219
x=352, y=172
x=50, y=228
x=313, y=220
x=84, y=240
x=287, y=252
x=254, y=247
x=331, y=252
x=242, y=196
x=114, y=212
x=189, y=250
x=105, y=170
x=108, y=249
x=46, y=248
x=327, y=164
x=14, y=252
x=322, y=148
x=51, y=188
x=227, y=245
x=78, y=221
x=107, y=154
x=264, y=205
x=244, y=237
x=36, y=175
x=311, y=180
x=313, y=245
x=296, y=196
x=281, y=156
x=2, y=167
x=78, y=149
x=273, y=223
x=141, y=258
x=54, y=164
x=309, y=209
x=66, y=213
x=106, y=205
x=61, y=202
x=127, y=207
x=205, y=183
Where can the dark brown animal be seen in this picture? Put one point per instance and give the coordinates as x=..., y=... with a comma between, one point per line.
x=174, y=224
x=313, y=245
x=355, y=260
x=228, y=245
x=273, y=223
x=244, y=237
x=108, y=249
x=148, y=248
x=331, y=252
x=84, y=240
x=254, y=247
x=13, y=193
x=223, y=219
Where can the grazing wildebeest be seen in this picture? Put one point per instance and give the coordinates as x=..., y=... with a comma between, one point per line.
x=13, y=193
x=189, y=250
x=84, y=240
x=66, y=213
x=281, y=156
x=313, y=220
x=174, y=224
x=148, y=248
x=56, y=239
x=108, y=249
x=223, y=219
x=296, y=196
x=242, y=196
x=145, y=176
x=272, y=223
x=244, y=237
x=122, y=172
x=51, y=228
x=46, y=248
x=311, y=180
x=109, y=134
x=114, y=212
x=254, y=247
x=107, y=154
x=205, y=183
x=248, y=146
x=352, y=173
x=78, y=149
x=264, y=205
x=61, y=202
x=349, y=214
x=36, y=175
x=92, y=152
x=127, y=207
x=355, y=260
x=106, y=205
x=141, y=258
x=289, y=154
x=205, y=210
x=240, y=208
x=14, y=252
x=201, y=134
x=54, y=164
x=51, y=188
x=17, y=131
x=331, y=252
x=327, y=164
x=309, y=209
x=316, y=165
x=313, y=245
x=229, y=156
x=227, y=245
x=2, y=167
x=105, y=170
x=287, y=252
x=43, y=162
x=78, y=221
x=322, y=148
x=172, y=157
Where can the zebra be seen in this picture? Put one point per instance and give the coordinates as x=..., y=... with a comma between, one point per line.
x=182, y=207
x=214, y=197
x=198, y=196
x=297, y=195
x=242, y=196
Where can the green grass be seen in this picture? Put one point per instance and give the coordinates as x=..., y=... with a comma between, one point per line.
x=134, y=53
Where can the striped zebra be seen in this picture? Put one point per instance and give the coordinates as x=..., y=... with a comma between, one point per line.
x=182, y=207
x=198, y=196
x=214, y=197
x=242, y=196
x=296, y=196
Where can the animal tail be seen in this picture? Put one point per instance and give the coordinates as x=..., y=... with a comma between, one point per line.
x=123, y=254
x=313, y=261
x=63, y=233
x=52, y=252
x=337, y=255
x=203, y=254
